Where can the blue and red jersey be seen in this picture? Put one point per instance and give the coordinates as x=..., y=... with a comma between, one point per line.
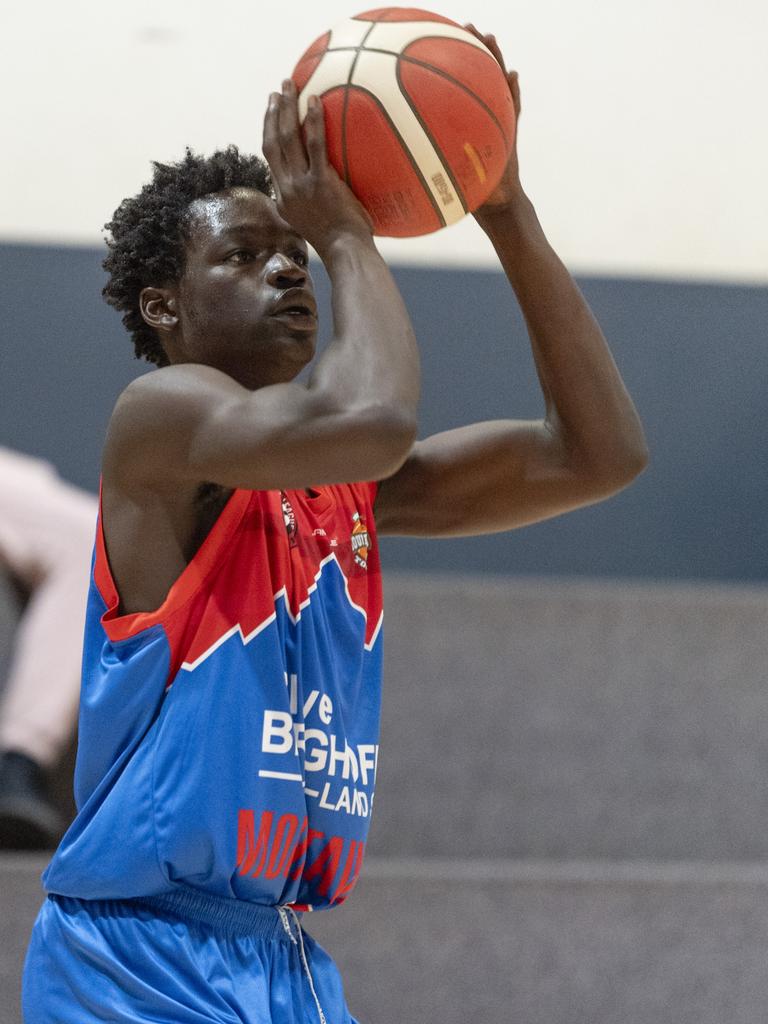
x=228, y=740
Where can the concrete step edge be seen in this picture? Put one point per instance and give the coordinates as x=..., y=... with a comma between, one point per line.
x=707, y=593
x=579, y=872
x=569, y=871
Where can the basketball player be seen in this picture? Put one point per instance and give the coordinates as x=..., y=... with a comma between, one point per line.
x=229, y=714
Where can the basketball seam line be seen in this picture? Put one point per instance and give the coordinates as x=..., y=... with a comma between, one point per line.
x=433, y=141
x=437, y=71
x=406, y=150
x=353, y=65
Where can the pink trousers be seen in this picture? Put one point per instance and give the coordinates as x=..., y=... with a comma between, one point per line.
x=47, y=530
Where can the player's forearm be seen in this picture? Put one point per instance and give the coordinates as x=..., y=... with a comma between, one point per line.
x=373, y=359
x=587, y=402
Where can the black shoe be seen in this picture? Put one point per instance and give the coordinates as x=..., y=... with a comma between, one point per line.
x=28, y=819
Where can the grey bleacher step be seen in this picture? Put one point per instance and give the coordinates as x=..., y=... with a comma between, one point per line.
x=20, y=900
x=530, y=718
x=553, y=943
x=573, y=720
x=535, y=942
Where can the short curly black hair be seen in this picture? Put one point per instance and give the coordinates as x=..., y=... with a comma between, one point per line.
x=149, y=232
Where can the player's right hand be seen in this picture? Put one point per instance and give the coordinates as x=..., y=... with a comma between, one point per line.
x=310, y=194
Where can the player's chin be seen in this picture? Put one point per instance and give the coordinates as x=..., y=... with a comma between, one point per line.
x=299, y=345
x=294, y=348
x=303, y=343
x=297, y=340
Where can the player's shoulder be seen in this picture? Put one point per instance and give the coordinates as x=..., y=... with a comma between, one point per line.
x=155, y=411
x=172, y=382
x=167, y=395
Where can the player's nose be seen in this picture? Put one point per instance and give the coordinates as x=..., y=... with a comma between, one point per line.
x=283, y=272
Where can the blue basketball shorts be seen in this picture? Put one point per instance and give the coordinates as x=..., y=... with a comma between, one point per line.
x=185, y=958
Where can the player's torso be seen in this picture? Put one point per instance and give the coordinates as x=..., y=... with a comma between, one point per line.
x=232, y=734
x=153, y=533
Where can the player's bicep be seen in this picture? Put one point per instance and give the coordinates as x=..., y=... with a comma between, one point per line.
x=182, y=424
x=484, y=478
x=192, y=423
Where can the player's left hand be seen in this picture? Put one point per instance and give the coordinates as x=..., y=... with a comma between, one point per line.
x=509, y=188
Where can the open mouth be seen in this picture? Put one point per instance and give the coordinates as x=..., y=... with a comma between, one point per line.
x=300, y=317
x=296, y=311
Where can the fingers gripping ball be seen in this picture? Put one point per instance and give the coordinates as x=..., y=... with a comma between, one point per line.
x=419, y=118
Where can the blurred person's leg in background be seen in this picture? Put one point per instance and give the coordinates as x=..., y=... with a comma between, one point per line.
x=47, y=528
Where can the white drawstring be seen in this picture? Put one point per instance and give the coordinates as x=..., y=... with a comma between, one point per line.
x=283, y=912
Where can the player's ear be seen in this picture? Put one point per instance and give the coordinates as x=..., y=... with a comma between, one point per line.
x=158, y=308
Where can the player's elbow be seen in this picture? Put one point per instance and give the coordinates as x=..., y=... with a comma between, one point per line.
x=387, y=438
x=613, y=475
x=636, y=461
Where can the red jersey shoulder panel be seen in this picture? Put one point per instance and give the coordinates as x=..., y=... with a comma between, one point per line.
x=274, y=559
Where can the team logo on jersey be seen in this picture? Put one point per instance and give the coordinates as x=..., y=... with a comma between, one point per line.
x=289, y=518
x=361, y=541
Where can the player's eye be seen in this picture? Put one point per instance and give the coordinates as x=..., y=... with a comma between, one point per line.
x=300, y=257
x=240, y=256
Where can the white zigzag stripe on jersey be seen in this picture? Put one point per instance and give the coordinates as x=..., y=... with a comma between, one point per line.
x=188, y=666
x=376, y=72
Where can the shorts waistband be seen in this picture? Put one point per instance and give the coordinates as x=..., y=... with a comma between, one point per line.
x=219, y=913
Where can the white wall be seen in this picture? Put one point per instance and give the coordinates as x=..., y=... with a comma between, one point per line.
x=643, y=140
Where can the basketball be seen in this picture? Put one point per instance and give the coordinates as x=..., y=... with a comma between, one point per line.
x=419, y=118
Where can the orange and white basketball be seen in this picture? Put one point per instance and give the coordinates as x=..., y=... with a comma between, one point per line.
x=419, y=117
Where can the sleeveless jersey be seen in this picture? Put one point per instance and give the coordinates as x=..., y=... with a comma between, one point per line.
x=228, y=741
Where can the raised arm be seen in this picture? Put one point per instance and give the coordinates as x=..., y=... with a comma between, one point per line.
x=355, y=417
x=489, y=477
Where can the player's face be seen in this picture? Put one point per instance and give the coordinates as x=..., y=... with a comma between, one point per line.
x=246, y=299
